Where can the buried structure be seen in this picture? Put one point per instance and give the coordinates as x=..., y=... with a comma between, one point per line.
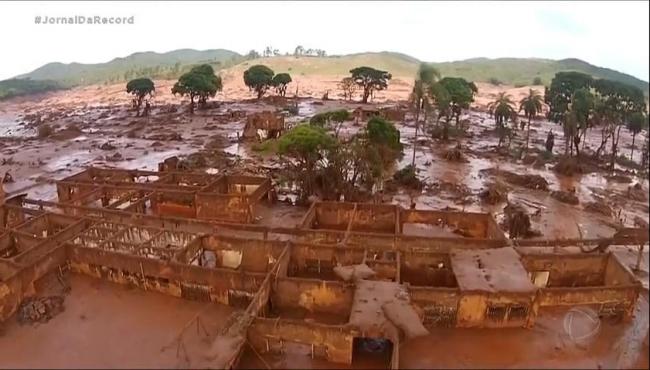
x=352, y=278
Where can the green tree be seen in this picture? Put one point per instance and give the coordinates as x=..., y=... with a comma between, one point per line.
x=140, y=88
x=442, y=101
x=426, y=76
x=200, y=82
x=502, y=109
x=207, y=71
x=385, y=138
x=326, y=119
x=558, y=95
x=461, y=94
x=638, y=121
x=259, y=78
x=577, y=118
x=370, y=80
x=306, y=145
x=537, y=81
x=532, y=106
x=280, y=82
x=621, y=101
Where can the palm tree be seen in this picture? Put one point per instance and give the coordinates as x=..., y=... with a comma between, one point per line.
x=426, y=76
x=502, y=109
x=532, y=106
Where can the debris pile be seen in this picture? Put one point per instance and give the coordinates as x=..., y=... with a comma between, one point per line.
x=636, y=192
x=39, y=309
x=565, y=197
x=454, y=154
x=518, y=221
x=495, y=192
x=535, y=182
x=354, y=272
x=599, y=206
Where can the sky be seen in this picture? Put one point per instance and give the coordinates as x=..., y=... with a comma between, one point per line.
x=608, y=34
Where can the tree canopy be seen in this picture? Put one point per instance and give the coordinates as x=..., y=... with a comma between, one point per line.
x=280, y=82
x=558, y=95
x=140, y=88
x=502, y=109
x=461, y=94
x=306, y=145
x=200, y=82
x=370, y=80
x=259, y=78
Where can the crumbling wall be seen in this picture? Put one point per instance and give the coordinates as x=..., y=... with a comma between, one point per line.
x=319, y=260
x=269, y=121
x=375, y=218
x=313, y=295
x=568, y=270
x=438, y=305
x=223, y=207
x=333, y=342
x=15, y=288
x=333, y=216
x=427, y=269
x=471, y=225
x=192, y=282
x=617, y=300
x=495, y=310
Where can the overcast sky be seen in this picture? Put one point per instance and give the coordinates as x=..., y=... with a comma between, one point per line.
x=608, y=34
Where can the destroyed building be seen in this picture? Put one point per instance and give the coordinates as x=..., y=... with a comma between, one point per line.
x=349, y=272
x=270, y=123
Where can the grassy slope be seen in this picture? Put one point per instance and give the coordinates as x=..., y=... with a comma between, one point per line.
x=513, y=71
x=77, y=73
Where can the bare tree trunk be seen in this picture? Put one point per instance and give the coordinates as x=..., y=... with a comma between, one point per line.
x=415, y=140
x=615, y=137
x=528, y=134
x=632, y=153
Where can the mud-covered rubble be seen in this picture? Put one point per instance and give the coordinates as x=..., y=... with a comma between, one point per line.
x=494, y=192
x=530, y=181
x=567, y=197
x=517, y=222
x=39, y=309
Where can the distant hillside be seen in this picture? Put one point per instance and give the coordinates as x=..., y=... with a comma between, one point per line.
x=513, y=71
x=19, y=87
x=518, y=71
x=397, y=64
x=159, y=65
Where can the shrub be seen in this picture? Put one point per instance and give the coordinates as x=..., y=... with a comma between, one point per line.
x=407, y=177
x=494, y=81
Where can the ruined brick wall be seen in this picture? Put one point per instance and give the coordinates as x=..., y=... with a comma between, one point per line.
x=329, y=297
x=333, y=342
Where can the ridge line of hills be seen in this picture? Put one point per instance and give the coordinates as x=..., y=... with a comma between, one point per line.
x=170, y=65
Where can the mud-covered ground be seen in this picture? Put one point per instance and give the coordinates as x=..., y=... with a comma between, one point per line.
x=95, y=126
x=105, y=325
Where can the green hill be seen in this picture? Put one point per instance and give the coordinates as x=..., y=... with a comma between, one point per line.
x=152, y=64
x=19, y=87
x=514, y=71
